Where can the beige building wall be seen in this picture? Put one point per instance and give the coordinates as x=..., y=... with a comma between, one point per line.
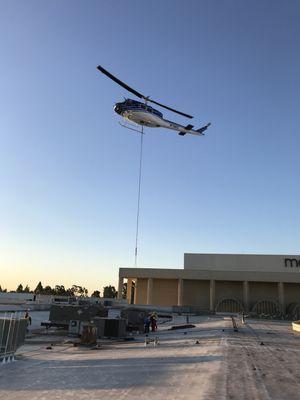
x=196, y=293
x=291, y=293
x=141, y=291
x=259, y=291
x=165, y=292
x=239, y=262
x=228, y=290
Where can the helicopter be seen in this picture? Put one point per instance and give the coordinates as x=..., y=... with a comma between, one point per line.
x=140, y=113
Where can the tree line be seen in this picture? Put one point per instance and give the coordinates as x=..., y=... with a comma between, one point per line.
x=76, y=290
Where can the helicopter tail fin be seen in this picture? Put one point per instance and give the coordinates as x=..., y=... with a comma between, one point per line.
x=201, y=130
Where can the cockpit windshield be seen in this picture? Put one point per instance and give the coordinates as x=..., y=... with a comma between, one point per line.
x=137, y=105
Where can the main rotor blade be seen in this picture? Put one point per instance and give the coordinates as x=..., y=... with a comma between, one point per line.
x=171, y=109
x=111, y=76
x=141, y=96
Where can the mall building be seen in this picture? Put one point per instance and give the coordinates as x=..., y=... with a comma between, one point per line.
x=262, y=284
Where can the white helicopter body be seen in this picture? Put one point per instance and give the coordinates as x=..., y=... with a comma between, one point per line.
x=142, y=114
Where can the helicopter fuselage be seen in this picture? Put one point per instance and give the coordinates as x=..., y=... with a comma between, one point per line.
x=142, y=114
x=139, y=113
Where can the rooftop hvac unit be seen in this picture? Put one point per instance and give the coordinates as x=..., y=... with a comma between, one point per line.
x=114, y=313
x=76, y=327
x=100, y=325
x=110, y=327
x=115, y=327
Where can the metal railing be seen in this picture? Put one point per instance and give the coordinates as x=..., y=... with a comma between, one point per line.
x=13, y=329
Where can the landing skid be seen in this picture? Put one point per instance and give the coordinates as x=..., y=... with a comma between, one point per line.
x=132, y=127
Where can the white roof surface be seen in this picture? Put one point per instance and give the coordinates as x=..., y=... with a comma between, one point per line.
x=224, y=365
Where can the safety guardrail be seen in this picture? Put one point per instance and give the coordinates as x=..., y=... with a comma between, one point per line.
x=13, y=329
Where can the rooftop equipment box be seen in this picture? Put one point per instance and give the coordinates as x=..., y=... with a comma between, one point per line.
x=110, y=327
x=66, y=313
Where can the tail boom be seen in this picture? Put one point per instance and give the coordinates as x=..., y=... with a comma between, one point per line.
x=198, y=132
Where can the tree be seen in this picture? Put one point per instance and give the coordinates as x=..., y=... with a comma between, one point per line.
x=60, y=290
x=20, y=288
x=96, y=293
x=70, y=292
x=39, y=289
x=48, y=290
x=26, y=289
x=79, y=291
x=109, y=292
x=74, y=290
x=3, y=290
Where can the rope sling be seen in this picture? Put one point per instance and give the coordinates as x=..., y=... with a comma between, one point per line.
x=138, y=200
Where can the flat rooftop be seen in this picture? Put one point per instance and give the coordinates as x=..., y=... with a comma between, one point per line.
x=260, y=361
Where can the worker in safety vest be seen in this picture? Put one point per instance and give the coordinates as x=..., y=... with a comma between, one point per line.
x=27, y=317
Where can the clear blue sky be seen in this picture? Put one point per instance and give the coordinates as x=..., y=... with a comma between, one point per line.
x=69, y=171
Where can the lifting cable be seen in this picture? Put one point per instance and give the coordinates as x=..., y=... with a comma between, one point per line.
x=138, y=199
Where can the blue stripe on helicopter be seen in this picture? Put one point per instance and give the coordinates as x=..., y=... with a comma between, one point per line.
x=130, y=108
